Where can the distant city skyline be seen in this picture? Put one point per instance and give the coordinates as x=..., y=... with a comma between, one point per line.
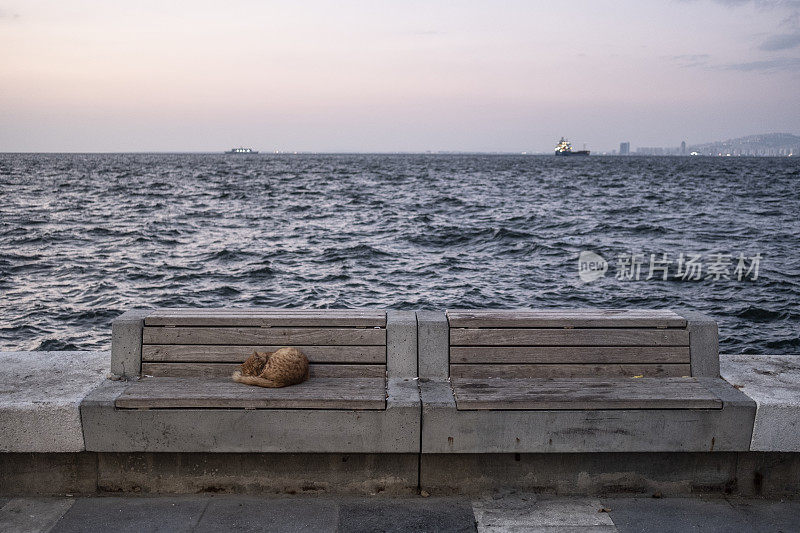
x=384, y=76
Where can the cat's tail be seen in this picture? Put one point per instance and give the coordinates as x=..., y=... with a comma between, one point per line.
x=257, y=381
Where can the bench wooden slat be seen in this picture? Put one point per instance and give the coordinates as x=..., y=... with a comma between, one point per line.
x=266, y=317
x=575, y=318
x=264, y=310
x=583, y=394
x=226, y=369
x=237, y=354
x=568, y=337
x=569, y=354
x=318, y=393
x=283, y=336
x=568, y=370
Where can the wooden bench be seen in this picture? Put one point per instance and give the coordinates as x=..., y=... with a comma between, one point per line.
x=576, y=381
x=177, y=393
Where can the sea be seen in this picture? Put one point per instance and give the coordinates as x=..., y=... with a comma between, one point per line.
x=84, y=237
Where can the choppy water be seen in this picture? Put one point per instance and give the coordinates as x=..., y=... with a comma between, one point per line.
x=84, y=237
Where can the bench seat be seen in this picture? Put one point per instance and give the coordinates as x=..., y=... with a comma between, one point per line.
x=176, y=393
x=575, y=380
x=583, y=393
x=223, y=393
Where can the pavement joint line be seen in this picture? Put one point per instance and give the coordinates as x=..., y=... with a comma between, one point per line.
x=202, y=514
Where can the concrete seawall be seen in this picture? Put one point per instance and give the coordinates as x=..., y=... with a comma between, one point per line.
x=40, y=396
x=42, y=449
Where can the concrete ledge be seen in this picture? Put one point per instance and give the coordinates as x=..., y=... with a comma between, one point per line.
x=40, y=394
x=773, y=381
x=395, y=430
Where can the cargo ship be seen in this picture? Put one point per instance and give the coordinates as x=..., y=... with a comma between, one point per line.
x=241, y=150
x=565, y=148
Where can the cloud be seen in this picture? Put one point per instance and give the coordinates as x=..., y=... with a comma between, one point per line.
x=781, y=42
x=787, y=39
x=782, y=64
x=789, y=8
x=768, y=4
x=6, y=14
x=690, y=60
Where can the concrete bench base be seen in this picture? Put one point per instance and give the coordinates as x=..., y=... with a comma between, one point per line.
x=394, y=430
x=448, y=430
x=769, y=474
x=741, y=473
x=182, y=473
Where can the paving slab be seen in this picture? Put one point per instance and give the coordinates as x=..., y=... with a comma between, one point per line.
x=773, y=381
x=706, y=515
x=40, y=394
x=237, y=513
x=678, y=515
x=30, y=515
x=529, y=512
x=507, y=512
x=408, y=514
x=133, y=514
x=768, y=515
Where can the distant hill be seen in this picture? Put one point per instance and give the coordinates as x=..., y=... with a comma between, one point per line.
x=776, y=144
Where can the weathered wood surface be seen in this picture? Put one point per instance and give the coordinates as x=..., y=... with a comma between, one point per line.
x=263, y=310
x=570, y=354
x=583, y=394
x=266, y=317
x=226, y=369
x=283, y=336
x=224, y=393
x=568, y=370
x=570, y=318
x=569, y=337
x=237, y=354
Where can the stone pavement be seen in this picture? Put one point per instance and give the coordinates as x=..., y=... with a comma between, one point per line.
x=509, y=512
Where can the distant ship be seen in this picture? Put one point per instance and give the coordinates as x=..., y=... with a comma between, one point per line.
x=241, y=150
x=565, y=148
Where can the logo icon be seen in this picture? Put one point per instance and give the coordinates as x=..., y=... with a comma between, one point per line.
x=591, y=266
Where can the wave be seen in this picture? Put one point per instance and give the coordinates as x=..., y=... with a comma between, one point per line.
x=759, y=314
x=84, y=237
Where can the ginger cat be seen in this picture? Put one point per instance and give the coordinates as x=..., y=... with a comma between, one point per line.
x=285, y=366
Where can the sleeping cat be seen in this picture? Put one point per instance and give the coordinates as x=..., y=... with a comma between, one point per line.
x=285, y=366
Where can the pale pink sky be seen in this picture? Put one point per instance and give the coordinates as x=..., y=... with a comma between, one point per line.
x=393, y=75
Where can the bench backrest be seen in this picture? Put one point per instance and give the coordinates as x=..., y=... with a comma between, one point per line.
x=557, y=343
x=211, y=342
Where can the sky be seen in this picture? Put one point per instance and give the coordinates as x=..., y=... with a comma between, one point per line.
x=383, y=76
